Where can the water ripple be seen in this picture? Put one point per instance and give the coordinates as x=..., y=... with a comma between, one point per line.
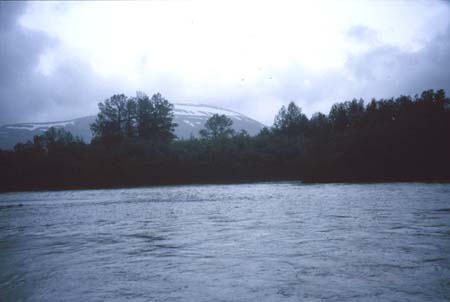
x=252, y=242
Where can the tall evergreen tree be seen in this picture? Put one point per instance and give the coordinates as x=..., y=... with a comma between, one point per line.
x=162, y=126
x=144, y=115
x=218, y=125
x=130, y=119
x=109, y=124
x=121, y=117
x=291, y=121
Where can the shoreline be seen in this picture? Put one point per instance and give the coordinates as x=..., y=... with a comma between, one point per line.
x=28, y=189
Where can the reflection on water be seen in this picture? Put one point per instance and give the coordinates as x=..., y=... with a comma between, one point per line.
x=256, y=242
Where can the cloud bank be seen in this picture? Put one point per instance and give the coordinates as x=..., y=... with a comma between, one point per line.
x=58, y=60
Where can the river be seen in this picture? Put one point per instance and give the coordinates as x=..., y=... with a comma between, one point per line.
x=284, y=241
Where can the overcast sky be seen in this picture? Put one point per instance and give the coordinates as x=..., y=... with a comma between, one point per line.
x=58, y=60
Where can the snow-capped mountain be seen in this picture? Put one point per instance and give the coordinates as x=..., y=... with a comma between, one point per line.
x=190, y=119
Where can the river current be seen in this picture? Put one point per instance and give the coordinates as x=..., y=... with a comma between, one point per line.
x=250, y=242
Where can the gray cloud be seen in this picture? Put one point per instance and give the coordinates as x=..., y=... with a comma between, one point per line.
x=387, y=71
x=362, y=33
x=28, y=95
x=9, y=12
x=383, y=71
x=72, y=89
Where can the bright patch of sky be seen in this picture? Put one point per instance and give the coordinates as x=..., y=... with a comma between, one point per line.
x=247, y=56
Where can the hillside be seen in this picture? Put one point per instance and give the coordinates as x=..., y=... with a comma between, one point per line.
x=189, y=117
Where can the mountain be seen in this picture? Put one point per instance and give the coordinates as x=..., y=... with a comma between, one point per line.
x=190, y=119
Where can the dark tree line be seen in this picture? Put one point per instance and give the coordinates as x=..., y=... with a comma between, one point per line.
x=401, y=139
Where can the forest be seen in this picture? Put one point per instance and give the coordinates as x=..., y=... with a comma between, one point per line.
x=397, y=139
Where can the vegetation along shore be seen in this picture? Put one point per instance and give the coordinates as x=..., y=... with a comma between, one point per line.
x=398, y=139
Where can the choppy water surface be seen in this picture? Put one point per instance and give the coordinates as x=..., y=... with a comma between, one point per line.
x=256, y=242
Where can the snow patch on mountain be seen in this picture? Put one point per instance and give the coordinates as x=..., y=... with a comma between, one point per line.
x=41, y=126
x=189, y=123
x=190, y=119
x=202, y=110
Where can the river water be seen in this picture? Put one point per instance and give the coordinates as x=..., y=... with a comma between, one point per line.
x=250, y=242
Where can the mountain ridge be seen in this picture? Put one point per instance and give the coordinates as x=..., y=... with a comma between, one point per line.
x=190, y=118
